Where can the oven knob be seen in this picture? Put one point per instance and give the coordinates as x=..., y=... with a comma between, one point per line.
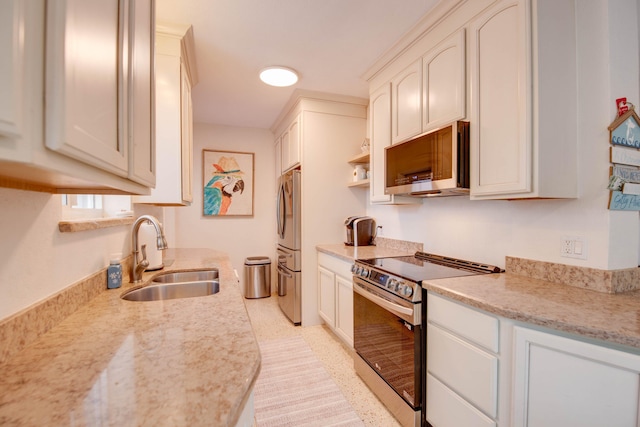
x=392, y=285
x=407, y=291
x=364, y=272
x=354, y=268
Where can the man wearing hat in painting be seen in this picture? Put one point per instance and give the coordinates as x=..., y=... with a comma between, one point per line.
x=227, y=180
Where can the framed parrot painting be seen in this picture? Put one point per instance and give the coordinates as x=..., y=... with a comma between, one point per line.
x=227, y=183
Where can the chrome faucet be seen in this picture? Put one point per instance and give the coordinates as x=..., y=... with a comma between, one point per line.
x=138, y=266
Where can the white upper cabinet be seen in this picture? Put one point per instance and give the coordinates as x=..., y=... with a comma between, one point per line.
x=380, y=137
x=518, y=59
x=278, y=156
x=380, y=132
x=85, y=76
x=444, y=83
x=501, y=134
x=12, y=67
x=406, y=101
x=175, y=76
x=186, y=142
x=78, y=114
x=523, y=132
x=141, y=109
x=290, y=145
x=431, y=91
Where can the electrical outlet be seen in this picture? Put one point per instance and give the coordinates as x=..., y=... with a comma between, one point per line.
x=573, y=247
x=567, y=247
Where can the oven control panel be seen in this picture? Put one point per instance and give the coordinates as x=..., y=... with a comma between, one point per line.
x=393, y=284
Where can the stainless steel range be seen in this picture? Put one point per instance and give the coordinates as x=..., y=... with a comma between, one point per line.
x=389, y=337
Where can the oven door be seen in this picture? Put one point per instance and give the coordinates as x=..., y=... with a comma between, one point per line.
x=387, y=336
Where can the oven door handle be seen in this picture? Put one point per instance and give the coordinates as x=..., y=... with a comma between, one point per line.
x=394, y=308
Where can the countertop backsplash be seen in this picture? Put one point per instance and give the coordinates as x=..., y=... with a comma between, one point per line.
x=26, y=326
x=606, y=281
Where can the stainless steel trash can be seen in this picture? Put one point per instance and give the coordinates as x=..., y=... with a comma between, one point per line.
x=257, y=277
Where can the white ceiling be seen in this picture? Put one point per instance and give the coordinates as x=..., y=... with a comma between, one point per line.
x=331, y=43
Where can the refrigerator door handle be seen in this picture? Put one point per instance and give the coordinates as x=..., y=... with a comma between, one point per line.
x=281, y=210
x=284, y=254
x=285, y=274
x=282, y=282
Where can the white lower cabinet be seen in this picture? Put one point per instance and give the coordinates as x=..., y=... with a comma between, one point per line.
x=335, y=295
x=560, y=382
x=447, y=409
x=485, y=370
x=462, y=365
x=327, y=295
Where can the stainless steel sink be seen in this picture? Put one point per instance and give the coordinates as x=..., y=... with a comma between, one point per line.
x=187, y=276
x=158, y=292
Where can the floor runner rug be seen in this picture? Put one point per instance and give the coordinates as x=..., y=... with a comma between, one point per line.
x=294, y=389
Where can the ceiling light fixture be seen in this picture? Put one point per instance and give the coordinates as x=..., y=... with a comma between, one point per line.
x=279, y=76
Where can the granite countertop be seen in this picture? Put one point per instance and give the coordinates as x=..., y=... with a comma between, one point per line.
x=614, y=318
x=351, y=253
x=190, y=361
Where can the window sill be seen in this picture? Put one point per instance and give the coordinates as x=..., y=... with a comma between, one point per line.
x=72, y=226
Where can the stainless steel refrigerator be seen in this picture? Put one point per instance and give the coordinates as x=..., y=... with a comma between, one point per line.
x=289, y=246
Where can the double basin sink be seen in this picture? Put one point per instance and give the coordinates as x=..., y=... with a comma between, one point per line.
x=181, y=284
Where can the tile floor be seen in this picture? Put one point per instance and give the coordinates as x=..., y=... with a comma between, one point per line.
x=269, y=323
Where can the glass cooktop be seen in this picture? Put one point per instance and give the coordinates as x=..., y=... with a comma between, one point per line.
x=424, y=266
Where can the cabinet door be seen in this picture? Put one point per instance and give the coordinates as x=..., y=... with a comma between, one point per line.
x=501, y=144
x=564, y=382
x=406, y=103
x=444, y=83
x=12, y=67
x=141, y=92
x=84, y=76
x=278, y=156
x=327, y=296
x=468, y=370
x=344, y=311
x=294, y=143
x=447, y=409
x=380, y=111
x=284, y=147
x=186, y=143
x=291, y=145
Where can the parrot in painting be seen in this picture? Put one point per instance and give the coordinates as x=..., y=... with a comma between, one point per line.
x=219, y=190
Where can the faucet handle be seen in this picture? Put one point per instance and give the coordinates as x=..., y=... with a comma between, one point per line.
x=143, y=249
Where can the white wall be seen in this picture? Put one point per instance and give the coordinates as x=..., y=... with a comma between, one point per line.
x=488, y=231
x=36, y=260
x=240, y=237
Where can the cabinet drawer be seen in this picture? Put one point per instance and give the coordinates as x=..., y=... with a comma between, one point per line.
x=446, y=409
x=466, y=369
x=335, y=264
x=470, y=324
